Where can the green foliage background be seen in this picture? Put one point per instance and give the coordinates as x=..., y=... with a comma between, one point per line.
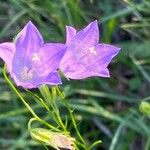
x=105, y=109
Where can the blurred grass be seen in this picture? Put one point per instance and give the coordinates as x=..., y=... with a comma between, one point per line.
x=106, y=109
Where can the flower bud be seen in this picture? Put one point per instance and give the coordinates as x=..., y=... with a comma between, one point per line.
x=56, y=140
x=145, y=108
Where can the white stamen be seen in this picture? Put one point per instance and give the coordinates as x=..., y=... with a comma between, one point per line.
x=26, y=74
x=93, y=50
x=35, y=57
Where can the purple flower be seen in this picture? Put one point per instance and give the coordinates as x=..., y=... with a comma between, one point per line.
x=84, y=57
x=29, y=61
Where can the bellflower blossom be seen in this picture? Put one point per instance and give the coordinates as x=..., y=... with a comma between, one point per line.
x=29, y=61
x=84, y=56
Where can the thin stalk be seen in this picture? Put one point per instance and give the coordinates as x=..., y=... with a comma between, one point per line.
x=30, y=122
x=39, y=100
x=50, y=98
x=24, y=102
x=57, y=112
x=71, y=116
x=59, y=118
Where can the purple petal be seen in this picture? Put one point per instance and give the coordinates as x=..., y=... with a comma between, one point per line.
x=27, y=85
x=29, y=38
x=83, y=40
x=42, y=63
x=106, y=53
x=85, y=57
x=52, y=79
x=50, y=56
x=28, y=41
x=70, y=32
x=92, y=63
x=7, y=51
x=30, y=62
x=79, y=71
x=99, y=56
x=87, y=37
x=74, y=69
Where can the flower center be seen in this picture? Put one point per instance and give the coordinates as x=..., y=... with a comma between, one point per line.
x=35, y=57
x=26, y=74
x=93, y=50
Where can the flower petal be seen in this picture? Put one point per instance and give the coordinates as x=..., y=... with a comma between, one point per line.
x=27, y=85
x=7, y=51
x=99, y=56
x=28, y=41
x=52, y=79
x=30, y=38
x=44, y=67
x=83, y=40
x=70, y=32
x=105, y=53
x=74, y=69
x=90, y=64
x=50, y=56
x=87, y=37
x=85, y=57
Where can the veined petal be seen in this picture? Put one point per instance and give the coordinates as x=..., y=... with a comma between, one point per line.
x=87, y=37
x=98, y=58
x=83, y=40
x=74, y=69
x=7, y=51
x=53, y=78
x=79, y=71
x=27, y=85
x=85, y=57
x=50, y=56
x=92, y=63
x=40, y=66
x=105, y=53
x=70, y=33
x=29, y=37
x=29, y=61
x=28, y=41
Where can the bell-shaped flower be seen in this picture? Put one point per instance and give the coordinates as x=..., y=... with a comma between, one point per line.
x=84, y=56
x=29, y=61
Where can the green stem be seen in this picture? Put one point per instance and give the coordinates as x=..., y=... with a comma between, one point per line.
x=74, y=122
x=24, y=102
x=95, y=144
x=50, y=98
x=42, y=103
x=30, y=122
x=38, y=100
x=59, y=118
x=71, y=115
